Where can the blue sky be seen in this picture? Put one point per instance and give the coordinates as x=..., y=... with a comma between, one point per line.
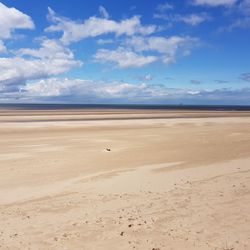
x=193, y=51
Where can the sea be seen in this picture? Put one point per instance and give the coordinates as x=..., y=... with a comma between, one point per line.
x=38, y=106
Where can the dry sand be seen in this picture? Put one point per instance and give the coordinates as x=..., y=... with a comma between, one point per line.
x=172, y=180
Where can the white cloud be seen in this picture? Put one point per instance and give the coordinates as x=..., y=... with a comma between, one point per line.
x=86, y=90
x=170, y=48
x=214, y=3
x=94, y=26
x=123, y=58
x=92, y=91
x=11, y=19
x=103, y=12
x=192, y=19
x=239, y=16
x=50, y=49
x=56, y=87
x=164, y=7
x=28, y=64
x=79, y=87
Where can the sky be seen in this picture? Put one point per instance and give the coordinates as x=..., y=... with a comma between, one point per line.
x=125, y=52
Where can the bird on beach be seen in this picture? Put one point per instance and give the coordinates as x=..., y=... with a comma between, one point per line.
x=108, y=149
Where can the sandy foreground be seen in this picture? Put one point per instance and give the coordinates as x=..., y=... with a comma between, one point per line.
x=172, y=180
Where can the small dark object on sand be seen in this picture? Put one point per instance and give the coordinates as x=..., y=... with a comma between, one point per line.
x=108, y=149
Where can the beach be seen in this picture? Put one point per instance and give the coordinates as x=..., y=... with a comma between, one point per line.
x=124, y=179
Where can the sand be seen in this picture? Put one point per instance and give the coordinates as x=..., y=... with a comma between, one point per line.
x=171, y=180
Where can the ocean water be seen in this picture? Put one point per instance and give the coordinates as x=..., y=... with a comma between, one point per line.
x=29, y=106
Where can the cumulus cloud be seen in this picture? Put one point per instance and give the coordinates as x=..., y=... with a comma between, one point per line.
x=51, y=59
x=12, y=19
x=169, y=48
x=90, y=91
x=124, y=58
x=102, y=91
x=94, y=90
x=94, y=26
x=215, y=3
x=50, y=49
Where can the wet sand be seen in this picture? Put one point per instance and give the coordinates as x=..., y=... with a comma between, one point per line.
x=181, y=181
